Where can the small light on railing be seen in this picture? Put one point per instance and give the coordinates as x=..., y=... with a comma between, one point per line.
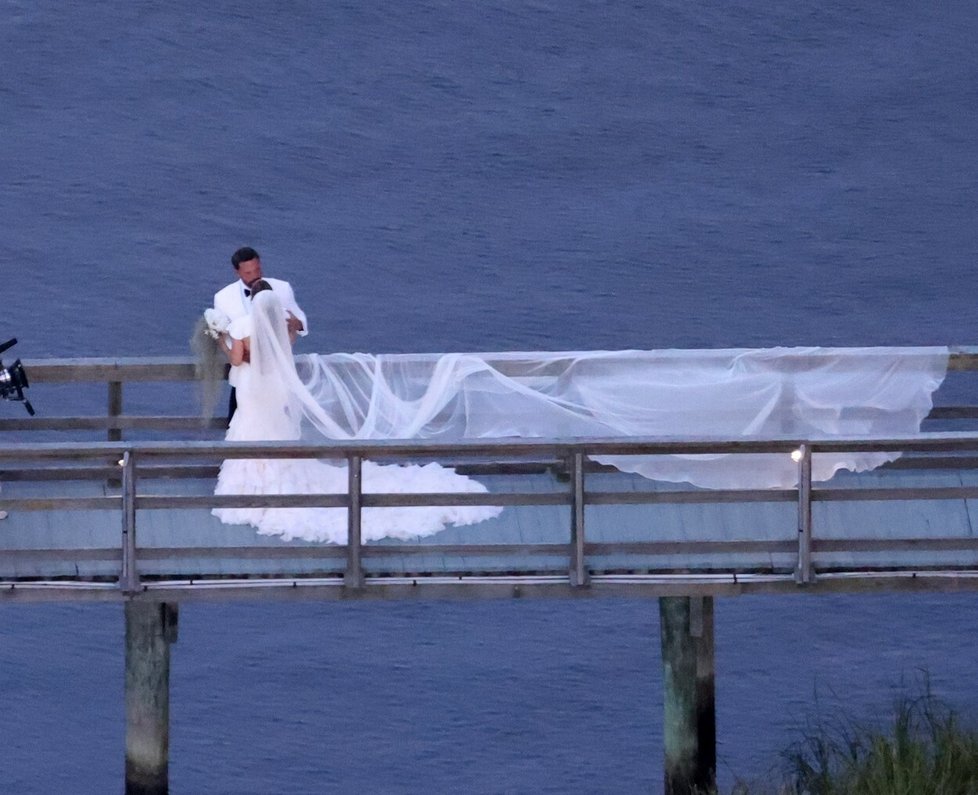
x=796, y=456
x=121, y=462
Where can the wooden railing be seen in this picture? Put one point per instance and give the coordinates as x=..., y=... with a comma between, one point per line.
x=139, y=462
x=115, y=374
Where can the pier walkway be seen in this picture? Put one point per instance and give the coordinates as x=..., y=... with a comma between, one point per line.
x=109, y=519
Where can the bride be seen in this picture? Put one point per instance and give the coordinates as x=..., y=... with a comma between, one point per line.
x=274, y=404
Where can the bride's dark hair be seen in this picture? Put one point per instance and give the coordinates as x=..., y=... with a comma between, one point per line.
x=258, y=286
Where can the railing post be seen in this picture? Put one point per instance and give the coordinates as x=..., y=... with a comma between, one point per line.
x=115, y=409
x=129, y=580
x=578, y=570
x=804, y=572
x=353, y=577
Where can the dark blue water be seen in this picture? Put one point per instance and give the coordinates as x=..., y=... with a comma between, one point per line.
x=478, y=176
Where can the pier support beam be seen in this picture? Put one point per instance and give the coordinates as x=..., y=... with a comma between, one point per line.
x=689, y=698
x=150, y=629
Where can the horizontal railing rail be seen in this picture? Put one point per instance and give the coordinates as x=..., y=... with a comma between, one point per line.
x=541, y=448
x=183, y=368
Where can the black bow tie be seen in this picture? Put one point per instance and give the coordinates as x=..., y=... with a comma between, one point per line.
x=247, y=292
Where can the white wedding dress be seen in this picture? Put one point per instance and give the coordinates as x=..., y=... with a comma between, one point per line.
x=272, y=403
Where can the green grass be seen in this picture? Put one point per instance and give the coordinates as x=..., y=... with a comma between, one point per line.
x=923, y=750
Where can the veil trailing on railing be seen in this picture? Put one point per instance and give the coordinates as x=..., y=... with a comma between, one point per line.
x=682, y=394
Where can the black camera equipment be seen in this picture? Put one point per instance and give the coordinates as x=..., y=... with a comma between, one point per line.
x=13, y=379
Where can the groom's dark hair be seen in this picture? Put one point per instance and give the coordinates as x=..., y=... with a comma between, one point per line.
x=243, y=255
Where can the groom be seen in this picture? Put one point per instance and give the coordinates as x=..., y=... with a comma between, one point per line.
x=235, y=301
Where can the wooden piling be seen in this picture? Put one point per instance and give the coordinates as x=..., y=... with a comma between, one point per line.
x=150, y=629
x=689, y=700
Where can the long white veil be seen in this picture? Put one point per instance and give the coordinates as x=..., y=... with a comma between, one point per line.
x=780, y=392
x=784, y=392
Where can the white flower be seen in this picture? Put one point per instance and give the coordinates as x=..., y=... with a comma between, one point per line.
x=217, y=322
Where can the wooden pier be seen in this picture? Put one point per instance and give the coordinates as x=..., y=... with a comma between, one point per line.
x=116, y=507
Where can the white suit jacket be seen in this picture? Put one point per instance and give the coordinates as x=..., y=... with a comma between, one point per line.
x=232, y=302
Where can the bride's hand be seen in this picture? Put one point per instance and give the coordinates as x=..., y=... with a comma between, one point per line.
x=294, y=325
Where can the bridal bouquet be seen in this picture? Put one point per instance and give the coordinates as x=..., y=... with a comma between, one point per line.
x=216, y=322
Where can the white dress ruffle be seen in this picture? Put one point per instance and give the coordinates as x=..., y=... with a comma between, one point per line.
x=308, y=476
